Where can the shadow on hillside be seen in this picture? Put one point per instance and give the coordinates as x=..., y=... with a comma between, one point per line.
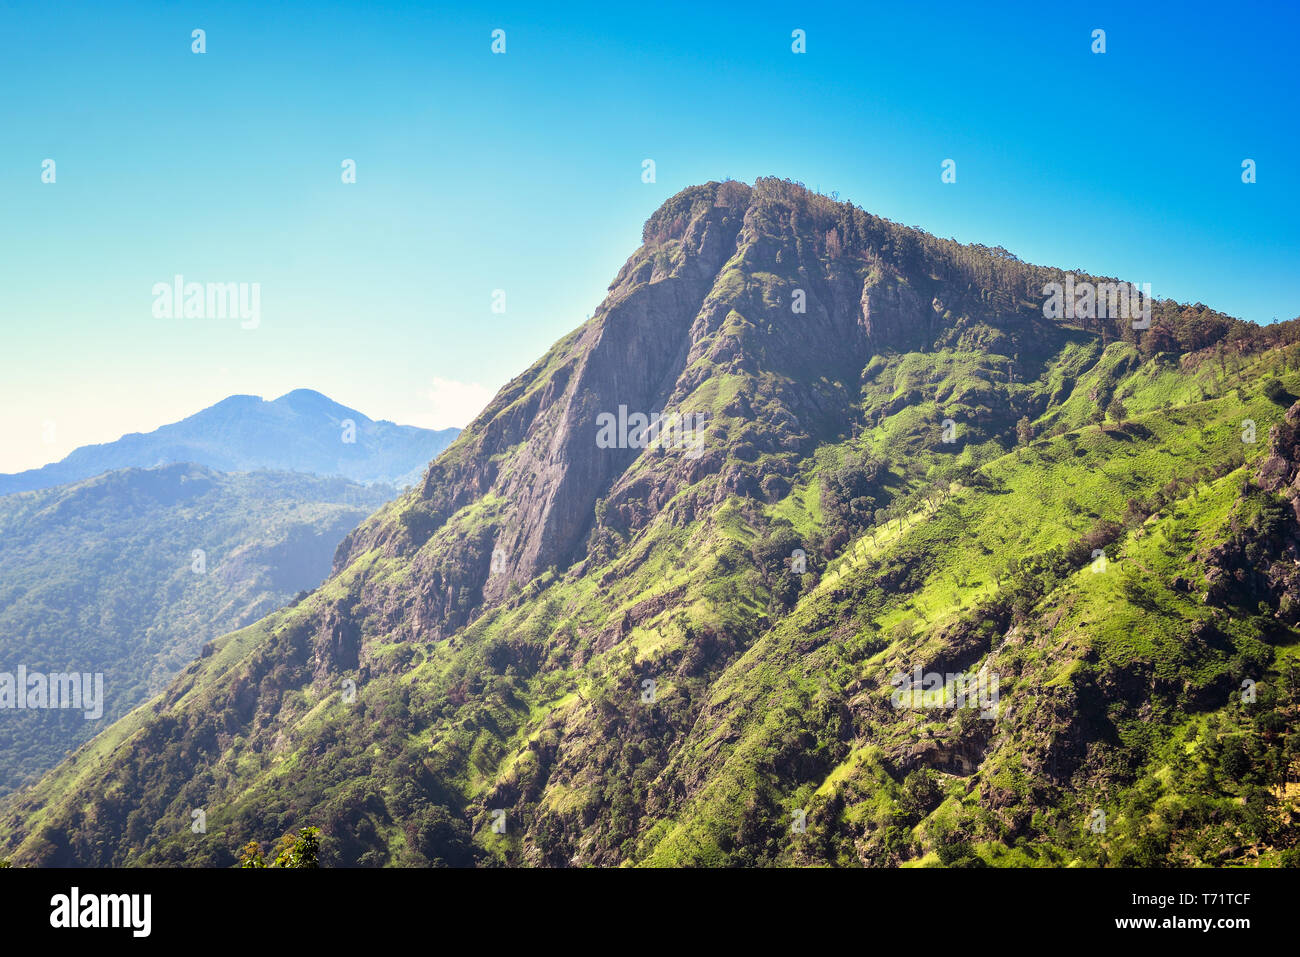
x=1128, y=431
x=1280, y=635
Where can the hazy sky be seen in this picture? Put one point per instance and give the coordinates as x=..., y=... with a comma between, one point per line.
x=522, y=172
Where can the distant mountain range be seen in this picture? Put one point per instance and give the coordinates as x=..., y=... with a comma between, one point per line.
x=129, y=573
x=302, y=431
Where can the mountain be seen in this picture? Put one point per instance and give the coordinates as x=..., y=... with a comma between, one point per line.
x=129, y=573
x=302, y=431
x=579, y=642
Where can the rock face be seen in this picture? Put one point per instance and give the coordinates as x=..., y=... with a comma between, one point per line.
x=1260, y=562
x=677, y=316
x=1280, y=471
x=893, y=317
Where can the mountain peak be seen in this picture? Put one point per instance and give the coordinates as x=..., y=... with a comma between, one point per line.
x=311, y=402
x=301, y=431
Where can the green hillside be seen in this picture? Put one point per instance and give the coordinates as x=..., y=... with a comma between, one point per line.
x=1077, y=510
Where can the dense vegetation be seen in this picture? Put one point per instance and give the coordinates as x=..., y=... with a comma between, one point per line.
x=301, y=851
x=103, y=576
x=691, y=661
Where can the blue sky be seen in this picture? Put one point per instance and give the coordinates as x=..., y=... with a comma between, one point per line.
x=522, y=172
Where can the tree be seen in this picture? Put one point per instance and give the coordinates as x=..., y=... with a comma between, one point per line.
x=251, y=856
x=1024, y=430
x=302, y=851
x=903, y=630
x=920, y=795
x=1116, y=411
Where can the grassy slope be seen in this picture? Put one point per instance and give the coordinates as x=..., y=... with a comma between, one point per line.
x=779, y=697
x=1046, y=492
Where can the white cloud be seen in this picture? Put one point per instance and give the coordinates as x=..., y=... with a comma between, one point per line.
x=453, y=404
